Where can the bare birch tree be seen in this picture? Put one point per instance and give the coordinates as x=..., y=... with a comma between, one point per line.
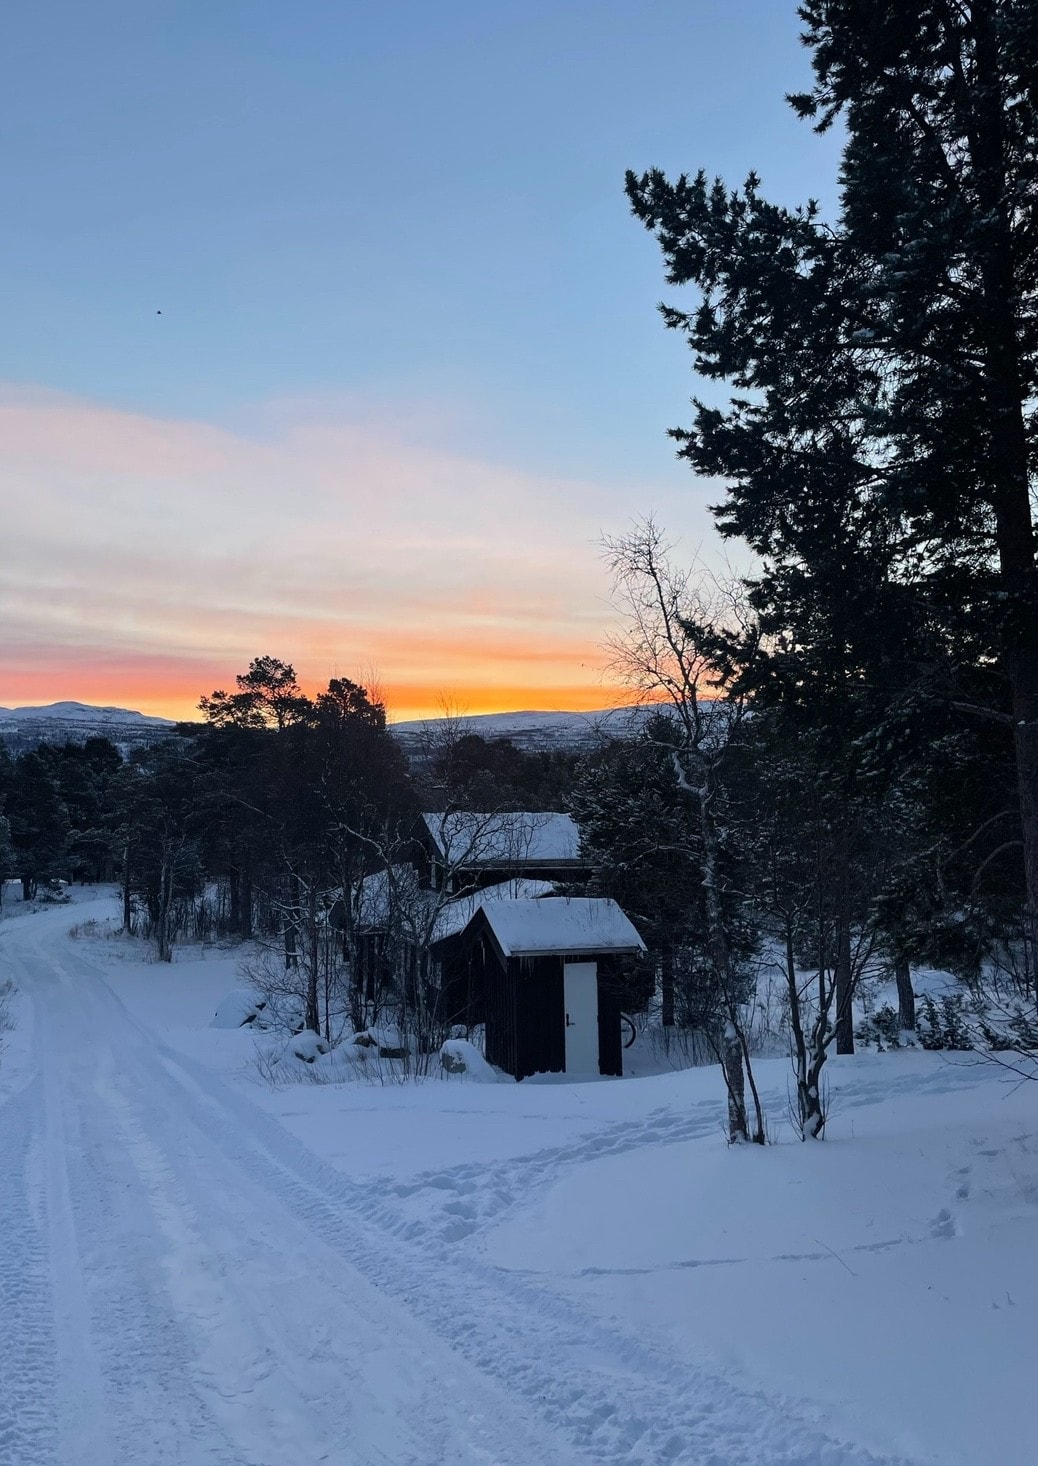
x=662, y=654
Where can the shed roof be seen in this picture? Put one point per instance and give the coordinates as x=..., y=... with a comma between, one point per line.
x=515, y=837
x=456, y=915
x=560, y=924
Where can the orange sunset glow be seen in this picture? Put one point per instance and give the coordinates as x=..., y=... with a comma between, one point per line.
x=150, y=560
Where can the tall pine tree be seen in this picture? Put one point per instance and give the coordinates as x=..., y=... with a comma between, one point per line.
x=879, y=444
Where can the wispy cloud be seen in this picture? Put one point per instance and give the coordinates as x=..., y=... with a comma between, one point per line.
x=149, y=559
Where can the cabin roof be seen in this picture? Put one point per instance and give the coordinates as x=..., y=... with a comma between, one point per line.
x=515, y=838
x=397, y=893
x=560, y=924
x=456, y=915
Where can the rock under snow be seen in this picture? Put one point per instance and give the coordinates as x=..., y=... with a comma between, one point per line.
x=307, y=1046
x=458, y=1056
x=239, y=1008
x=389, y=1041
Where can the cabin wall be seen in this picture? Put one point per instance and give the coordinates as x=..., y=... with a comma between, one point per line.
x=540, y=1015
x=610, y=1033
x=501, y=1013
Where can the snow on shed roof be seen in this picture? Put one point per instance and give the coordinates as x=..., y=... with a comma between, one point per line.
x=561, y=924
x=517, y=837
x=456, y=915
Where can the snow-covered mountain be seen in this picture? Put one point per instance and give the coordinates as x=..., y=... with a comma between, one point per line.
x=81, y=712
x=529, y=730
x=75, y=722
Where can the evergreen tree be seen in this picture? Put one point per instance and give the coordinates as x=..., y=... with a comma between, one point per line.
x=878, y=443
x=39, y=824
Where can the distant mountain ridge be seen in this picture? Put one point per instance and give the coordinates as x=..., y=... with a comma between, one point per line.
x=75, y=722
x=81, y=712
x=530, y=730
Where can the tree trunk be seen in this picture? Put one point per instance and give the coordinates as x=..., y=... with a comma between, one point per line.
x=234, y=899
x=127, y=895
x=313, y=1009
x=721, y=957
x=667, y=990
x=844, y=972
x=905, y=995
x=291, y=920
x=245, y=893
x=162, y=933
x=738, y=1126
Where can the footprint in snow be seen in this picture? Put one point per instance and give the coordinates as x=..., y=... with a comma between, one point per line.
x=943, y=1224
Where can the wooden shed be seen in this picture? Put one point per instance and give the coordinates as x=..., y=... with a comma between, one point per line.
x=547, y=971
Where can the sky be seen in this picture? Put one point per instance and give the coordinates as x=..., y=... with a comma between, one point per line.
x=327, y=333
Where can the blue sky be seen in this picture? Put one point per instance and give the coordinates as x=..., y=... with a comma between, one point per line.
x=405, y=218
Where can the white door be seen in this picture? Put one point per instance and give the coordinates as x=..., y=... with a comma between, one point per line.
x=580, y=986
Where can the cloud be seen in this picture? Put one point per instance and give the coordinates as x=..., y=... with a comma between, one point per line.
x=158, y=556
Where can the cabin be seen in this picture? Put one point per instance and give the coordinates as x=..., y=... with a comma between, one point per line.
x=544, y=974
x=404, y=929
x=463, y=851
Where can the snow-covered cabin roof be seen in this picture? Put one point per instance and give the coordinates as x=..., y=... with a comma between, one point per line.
x=583, y=924
x=516, y=838
x=456, y=915
x=396, y=895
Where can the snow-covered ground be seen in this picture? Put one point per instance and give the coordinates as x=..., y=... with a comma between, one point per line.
x=197, y=1269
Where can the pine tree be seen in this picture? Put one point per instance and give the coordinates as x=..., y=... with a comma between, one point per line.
x=39, y=825
x=878, y=442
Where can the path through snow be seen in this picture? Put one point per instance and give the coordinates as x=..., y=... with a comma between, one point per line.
x=181, y=1283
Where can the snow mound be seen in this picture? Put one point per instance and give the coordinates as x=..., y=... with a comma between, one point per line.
x=306, y=1046
x=458, y=1056
x=239, y=1008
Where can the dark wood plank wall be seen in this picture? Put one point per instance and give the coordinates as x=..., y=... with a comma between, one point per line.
x=610, y=1036
x=541, y=1015
x=502, y=1019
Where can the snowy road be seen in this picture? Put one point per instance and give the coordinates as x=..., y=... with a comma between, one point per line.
x=181, y=1282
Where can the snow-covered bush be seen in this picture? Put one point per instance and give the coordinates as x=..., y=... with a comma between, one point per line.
x=945, y=1024
x=1011, y=1027
x=881, y=1029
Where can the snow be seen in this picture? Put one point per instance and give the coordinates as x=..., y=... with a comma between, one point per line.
x=384, y=895
x=458, y=1056
x=237, y=1008
x=530, y=729
x=513, y=838
x=79, y=712
x=307, y=1046
x=198, y=1270
x=456, y=915
x=561, y=924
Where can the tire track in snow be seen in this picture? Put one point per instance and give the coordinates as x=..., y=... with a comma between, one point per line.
x=614, y=1397
x=27, y=1349
x=309, y=1362
x=604, y=1396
